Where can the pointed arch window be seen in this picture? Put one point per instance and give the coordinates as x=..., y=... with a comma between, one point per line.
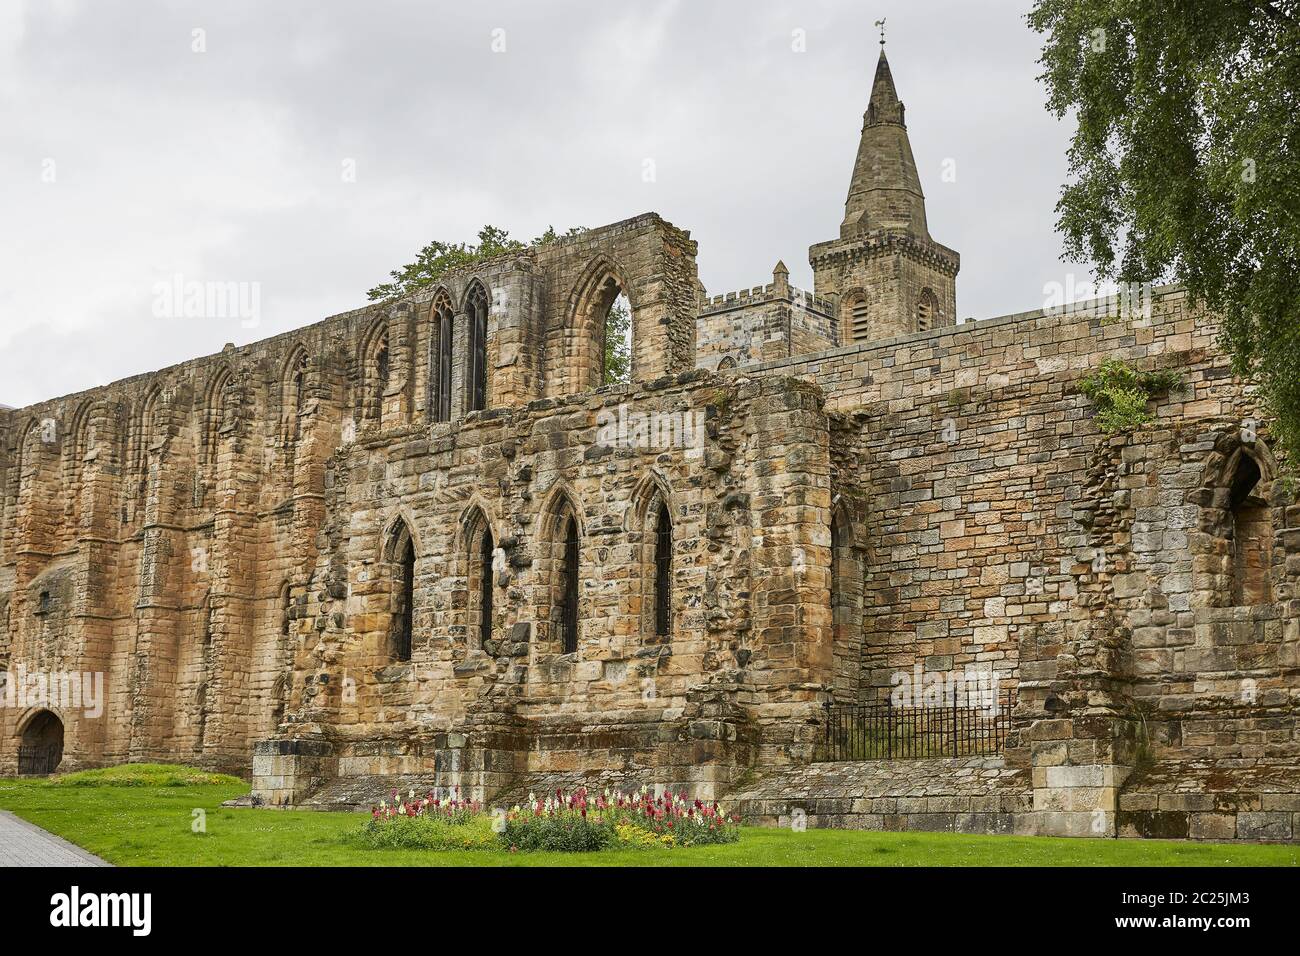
x=402, y=549
x=443, y=321
x=476, y=312
x=485, y=588
x=663, y=573
x=298, y=392
x=479, y=583
x=383, y=370
x=567, y=586
x=1252, y=535
x=926, y=310
x=857, y=317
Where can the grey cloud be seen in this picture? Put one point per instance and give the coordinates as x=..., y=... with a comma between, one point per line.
x=225, y=165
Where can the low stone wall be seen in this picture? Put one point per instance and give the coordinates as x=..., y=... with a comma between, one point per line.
x=1207, y=801
x=500, y=760
x=961, y=795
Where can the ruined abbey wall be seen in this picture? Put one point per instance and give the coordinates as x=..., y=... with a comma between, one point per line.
x=1095, y=573
x=423, y=542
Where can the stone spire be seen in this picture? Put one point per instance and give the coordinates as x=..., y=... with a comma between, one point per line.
x=885, y=194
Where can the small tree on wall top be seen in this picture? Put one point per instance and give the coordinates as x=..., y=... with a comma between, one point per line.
x=438, y=258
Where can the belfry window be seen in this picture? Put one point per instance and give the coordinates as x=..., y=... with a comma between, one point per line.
x=925, y=311
x=857, y=314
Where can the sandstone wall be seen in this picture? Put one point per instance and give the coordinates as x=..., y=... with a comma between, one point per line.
x=1092, y=572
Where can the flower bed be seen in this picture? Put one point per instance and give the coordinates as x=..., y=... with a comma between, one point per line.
x=429, y=824
x=579, y=822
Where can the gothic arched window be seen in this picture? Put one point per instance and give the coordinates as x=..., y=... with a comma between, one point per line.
x=663, y=564
x=1252, y=535
x=856, y=317
x=442, y=319
x=479, y=583
x=298, y=392
x=476, y=311
x=926, y=310
x=402, y=555
x=567, y=586
x=485, y=588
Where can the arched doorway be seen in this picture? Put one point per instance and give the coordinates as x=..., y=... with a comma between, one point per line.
x=41, y=750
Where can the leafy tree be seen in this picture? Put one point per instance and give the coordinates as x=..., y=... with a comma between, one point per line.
x=1185, y=165
x=438, y=258
x=618, y=356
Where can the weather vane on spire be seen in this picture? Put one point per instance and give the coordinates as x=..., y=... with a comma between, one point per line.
x=881, y=23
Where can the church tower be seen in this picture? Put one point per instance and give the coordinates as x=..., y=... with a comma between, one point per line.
x=884, y=273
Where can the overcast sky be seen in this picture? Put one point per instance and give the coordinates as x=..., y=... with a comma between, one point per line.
x=310, y=147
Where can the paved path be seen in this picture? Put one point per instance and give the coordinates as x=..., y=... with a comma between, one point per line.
x=26, y=844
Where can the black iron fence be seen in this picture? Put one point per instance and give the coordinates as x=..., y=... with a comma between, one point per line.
x=38, y=761
x=886, y=732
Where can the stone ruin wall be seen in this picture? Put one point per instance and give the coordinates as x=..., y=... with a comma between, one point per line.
x=165, y=530
x=228, y=571
x=1093, y=572
x=742, y=630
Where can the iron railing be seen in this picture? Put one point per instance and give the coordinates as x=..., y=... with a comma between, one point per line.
x=885, y=732
x=38, y=761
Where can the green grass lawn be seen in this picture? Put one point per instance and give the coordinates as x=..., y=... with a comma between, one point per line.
x=136, y=817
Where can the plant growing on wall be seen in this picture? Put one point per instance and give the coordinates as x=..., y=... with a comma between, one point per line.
x=1120, y=394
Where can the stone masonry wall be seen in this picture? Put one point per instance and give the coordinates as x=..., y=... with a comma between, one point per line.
x=1005, y=531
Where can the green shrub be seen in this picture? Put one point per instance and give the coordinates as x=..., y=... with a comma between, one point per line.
x=428, y=833
x=631, y=837
x=1120, y=394
x=567, y=833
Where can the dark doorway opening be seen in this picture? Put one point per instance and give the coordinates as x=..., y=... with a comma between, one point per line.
x=41, y=750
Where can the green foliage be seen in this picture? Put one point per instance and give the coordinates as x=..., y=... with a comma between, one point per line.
x=1185, y=163
x=438, y=258
x=1121, y=393
x=144, y=775
x=428, y=833
x=570, y=833
x=618, y=355
x=631, y=837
